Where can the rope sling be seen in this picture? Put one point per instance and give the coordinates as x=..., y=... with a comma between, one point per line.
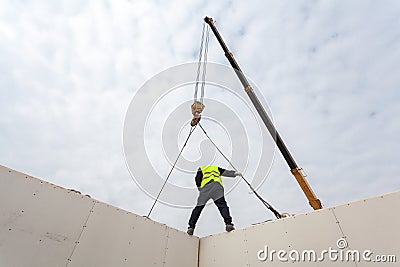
x=266, y=204
x=197, y=107
x=173, y=167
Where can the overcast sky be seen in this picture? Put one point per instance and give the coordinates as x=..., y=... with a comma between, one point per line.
x=328, y=69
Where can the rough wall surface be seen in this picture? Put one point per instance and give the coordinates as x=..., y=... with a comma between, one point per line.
x=45, y=225
x=362, y=226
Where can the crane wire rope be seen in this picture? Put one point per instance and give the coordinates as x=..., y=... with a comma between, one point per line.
x=203, y=78
x=266, y=204
x=202, y=63
x=172, y=168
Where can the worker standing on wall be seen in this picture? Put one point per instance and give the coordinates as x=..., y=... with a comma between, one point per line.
x=209, y=182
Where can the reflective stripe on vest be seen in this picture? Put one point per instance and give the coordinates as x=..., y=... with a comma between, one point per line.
x=210, y=173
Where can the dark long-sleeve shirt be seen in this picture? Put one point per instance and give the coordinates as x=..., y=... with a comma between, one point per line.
x=223, y=172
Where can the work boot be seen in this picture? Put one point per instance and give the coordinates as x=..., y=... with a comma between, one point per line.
x=190, y=231
x=229, y=227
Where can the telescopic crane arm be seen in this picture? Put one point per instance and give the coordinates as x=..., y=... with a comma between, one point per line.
x=294, y=168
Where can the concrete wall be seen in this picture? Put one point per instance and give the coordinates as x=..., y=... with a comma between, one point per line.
x=46, y=225
x=370, y=224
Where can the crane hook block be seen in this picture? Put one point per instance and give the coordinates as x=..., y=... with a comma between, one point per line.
x=197, y=108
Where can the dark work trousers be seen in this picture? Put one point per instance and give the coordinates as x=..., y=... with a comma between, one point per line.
x=214, y=191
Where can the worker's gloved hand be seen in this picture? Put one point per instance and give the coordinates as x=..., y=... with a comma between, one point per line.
x=238, y=174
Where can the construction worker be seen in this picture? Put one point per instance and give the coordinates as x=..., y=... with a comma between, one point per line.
x=209, y=183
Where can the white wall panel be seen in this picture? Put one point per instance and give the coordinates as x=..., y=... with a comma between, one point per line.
x=226, y=249
x=272, y=234
x=367, y=224
x=182, y=250
x=372, y=224
x=312, y=231
x=39, y=222
x=46, y=225
x=118, y=238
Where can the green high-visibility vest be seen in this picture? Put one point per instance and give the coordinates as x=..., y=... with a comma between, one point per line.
x=210, y=173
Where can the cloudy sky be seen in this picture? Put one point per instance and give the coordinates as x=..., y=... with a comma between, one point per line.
x=328, y=69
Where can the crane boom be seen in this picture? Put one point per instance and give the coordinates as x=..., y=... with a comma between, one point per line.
x=294, y=168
